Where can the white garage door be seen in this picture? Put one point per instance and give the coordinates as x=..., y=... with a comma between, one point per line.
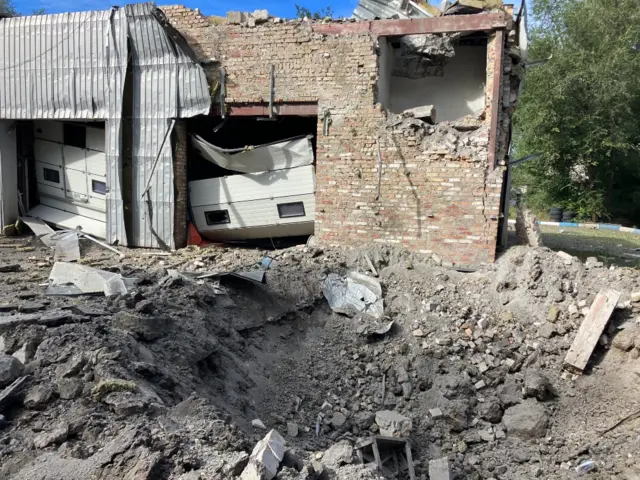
x=71, y=171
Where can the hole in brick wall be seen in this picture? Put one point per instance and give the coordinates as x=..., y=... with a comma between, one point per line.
x=240, y=132
x=267, y=195
x=447, y=73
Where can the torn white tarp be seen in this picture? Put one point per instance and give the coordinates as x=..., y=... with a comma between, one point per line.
x=294, y=152
x=73, y=279
x=355, y=293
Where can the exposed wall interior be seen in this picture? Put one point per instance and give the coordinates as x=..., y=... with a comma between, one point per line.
x=455, y=90
x=385, y=65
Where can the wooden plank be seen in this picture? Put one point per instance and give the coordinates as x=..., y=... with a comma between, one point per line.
x=590, y=331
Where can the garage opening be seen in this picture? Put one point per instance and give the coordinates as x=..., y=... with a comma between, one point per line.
x=252, y=178
x=62, y=173
x=446, y=72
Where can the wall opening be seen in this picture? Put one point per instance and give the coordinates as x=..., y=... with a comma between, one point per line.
x=447, y=72
x=252, y=179
x=63, y=174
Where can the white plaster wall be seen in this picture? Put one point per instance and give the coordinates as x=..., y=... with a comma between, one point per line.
x=384, y=72
x=460, y=92
x=8, y=174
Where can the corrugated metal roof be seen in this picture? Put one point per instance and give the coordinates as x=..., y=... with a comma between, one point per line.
x=372, y=9
x=59, y=66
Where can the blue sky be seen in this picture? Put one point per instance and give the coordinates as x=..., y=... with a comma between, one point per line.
x=278, y=8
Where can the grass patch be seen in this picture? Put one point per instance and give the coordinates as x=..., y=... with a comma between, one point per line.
x=609, y=246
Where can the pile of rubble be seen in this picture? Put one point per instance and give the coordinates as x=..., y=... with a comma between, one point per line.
x=355, y=364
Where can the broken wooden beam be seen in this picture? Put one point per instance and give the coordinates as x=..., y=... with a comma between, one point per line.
x=590, y=331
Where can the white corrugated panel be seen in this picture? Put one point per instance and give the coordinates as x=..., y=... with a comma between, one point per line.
x=255, y=213
x=294, y=152
x=166, y=85
x=253, y=186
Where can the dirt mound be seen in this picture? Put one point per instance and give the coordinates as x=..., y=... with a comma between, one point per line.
x=181, y=377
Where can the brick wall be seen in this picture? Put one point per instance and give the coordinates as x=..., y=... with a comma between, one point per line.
x=180, y=140
x=435, y=195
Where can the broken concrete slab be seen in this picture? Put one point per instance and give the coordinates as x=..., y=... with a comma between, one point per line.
x=426, y=113
x=73, y=279
x=392, y=424
x=439, y=469
x=265, y=458
x=354, y=293
x=338, y=454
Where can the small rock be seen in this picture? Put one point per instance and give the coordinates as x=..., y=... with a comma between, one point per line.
x=38, y=397
x=435, y=413
x=480, y=385
x=338, y=419
x=553, y=314
x=10, y=369
x=72, y=367
x=392, y=424
x=568, y=259
x=483, y=323
x=634, y=354
x=546, y=330
x=145, y=306
x=364, y=420
x=292, y=429
x=69, y=388
x=418, y=332
x=258, y=424
x=491, y=410
x=487, y=436
x=526, y=420
x=537, y=385
x=635, y=297
x=462, y=446
x=55, y=436
x=626, y=338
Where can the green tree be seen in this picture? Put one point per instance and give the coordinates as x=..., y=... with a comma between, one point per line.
x=7, y=8
x=581, y=109
x=302, y=12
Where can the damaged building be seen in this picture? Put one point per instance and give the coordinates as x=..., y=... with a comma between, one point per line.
x=392, y=127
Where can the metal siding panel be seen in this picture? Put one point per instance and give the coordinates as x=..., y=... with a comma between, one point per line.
x=255, y=213
x=158, y=97
x=253, y=186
